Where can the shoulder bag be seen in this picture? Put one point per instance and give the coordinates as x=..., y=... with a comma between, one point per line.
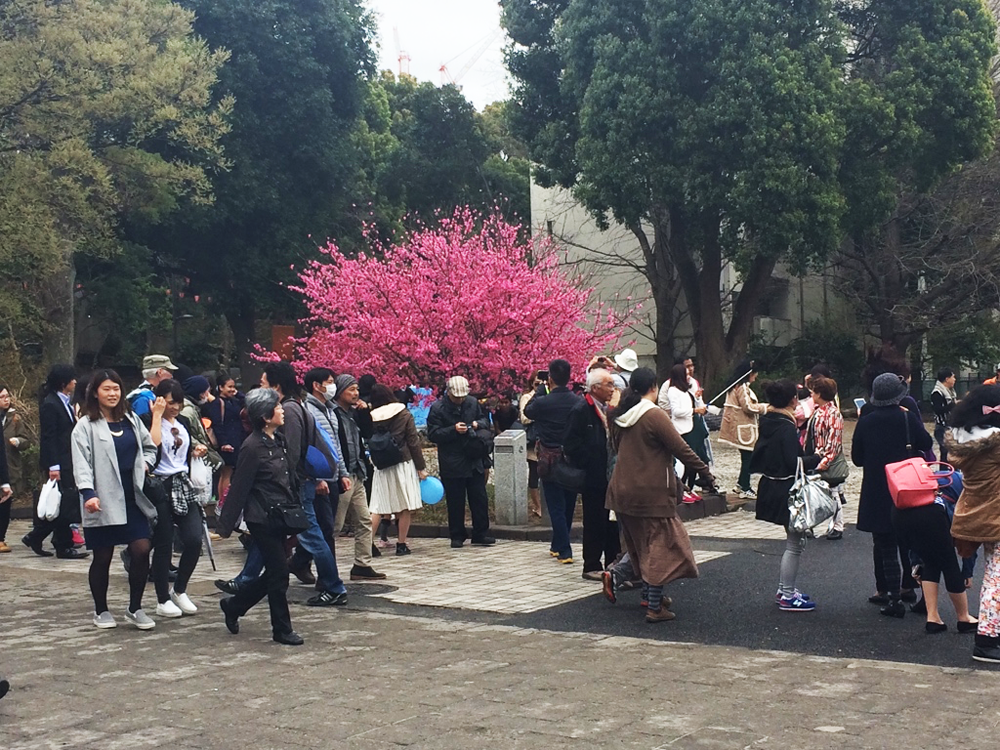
x=837, y=472
x=913, y=482
x=810, y=501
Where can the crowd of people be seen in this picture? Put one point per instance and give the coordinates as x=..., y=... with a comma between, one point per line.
x=295, y=460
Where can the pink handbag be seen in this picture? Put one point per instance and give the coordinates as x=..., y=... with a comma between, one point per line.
x=914, y=482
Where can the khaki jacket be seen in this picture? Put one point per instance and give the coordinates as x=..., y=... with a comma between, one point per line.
x=739, y=418
x=977, y=512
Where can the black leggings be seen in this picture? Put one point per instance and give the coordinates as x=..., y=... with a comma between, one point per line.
x=927, y=531
x=189, y=532
x=138, y=572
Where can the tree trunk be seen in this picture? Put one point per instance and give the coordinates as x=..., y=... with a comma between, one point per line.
x=242, y=321
x=57, y=300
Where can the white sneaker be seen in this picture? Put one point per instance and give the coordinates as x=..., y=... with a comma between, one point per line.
x=748, y=495
x=168, y=609
x=140, y=619
x=104, y=620
x=184, y=602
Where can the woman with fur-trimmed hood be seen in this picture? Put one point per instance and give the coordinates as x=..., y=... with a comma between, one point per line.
x=973, y=445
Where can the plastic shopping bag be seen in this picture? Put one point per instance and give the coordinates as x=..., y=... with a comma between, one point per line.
x=201, y=480
x=49, y=500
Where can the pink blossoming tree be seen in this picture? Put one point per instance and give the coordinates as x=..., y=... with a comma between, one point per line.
x=467, y=297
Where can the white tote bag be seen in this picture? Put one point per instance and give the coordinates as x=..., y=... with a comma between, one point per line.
x=201, y=480
x=49, y=500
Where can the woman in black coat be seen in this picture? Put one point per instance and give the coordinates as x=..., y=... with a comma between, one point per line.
x=776, y=456
x=886, y=433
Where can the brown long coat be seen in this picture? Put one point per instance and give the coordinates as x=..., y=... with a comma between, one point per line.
x=977, y=512
x=644, y=483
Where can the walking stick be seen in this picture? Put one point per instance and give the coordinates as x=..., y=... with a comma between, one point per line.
x=732, y=385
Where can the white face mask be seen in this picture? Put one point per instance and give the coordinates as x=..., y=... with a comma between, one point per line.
x=331, y=392
x=202, y=401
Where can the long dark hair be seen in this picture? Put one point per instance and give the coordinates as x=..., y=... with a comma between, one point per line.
x=382, y=395
x=643, y=380
x=968, y=413
x=679, y=377
x=92, y=406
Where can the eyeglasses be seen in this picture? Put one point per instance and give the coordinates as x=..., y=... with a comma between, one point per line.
x=178, y=441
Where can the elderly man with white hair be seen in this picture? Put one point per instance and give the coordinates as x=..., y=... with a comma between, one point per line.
x=586, y=447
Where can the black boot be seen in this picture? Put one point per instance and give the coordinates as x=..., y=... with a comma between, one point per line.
x=894, y=608
x=987, y=649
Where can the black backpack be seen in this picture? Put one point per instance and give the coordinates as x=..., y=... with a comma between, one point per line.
x=383, y=449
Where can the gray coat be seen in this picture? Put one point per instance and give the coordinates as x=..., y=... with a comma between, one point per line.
x=95, y=467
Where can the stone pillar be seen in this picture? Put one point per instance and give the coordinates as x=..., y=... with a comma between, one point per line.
x=510, y=481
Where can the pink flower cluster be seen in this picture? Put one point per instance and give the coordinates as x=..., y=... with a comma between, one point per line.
x=467, y=297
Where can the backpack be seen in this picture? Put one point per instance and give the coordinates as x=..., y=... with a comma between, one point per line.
x=383, y=449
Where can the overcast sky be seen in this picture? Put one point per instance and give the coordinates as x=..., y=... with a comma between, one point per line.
x=436, y=32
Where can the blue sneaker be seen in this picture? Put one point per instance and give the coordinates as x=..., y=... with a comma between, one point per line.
x=777, y=596
x=796, y=604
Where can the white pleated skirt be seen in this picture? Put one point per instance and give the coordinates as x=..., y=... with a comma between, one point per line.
x=396, y=489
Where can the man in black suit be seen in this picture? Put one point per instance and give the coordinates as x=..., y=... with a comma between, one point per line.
x=56, y=419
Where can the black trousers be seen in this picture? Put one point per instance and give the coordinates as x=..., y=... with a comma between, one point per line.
x=189, y=533
x=273, y=583
x=885, y=556
x=600, y=533
x=927, y=531
x=69, y=512
x=455, y=492
x=5, y=519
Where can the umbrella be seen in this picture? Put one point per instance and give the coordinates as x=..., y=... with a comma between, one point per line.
x=207, y=539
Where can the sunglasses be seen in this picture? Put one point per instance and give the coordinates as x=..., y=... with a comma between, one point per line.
x=178, y=441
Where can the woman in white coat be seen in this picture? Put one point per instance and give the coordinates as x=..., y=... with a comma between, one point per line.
x=112, y=452
x=677, y=399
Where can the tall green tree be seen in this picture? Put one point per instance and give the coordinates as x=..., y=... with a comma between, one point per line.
x=106, y=112
x=707, y=128
x=921, y=104
x=746, y=132
x=297, y=75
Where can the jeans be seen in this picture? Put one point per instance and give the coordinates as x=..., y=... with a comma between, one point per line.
x=561, y=503
x=795, y=542
x=455, y=493
x=314, y=541
x=253, y=566
x=273, y=584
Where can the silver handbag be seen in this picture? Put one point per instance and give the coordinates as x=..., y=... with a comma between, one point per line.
x=810, y=501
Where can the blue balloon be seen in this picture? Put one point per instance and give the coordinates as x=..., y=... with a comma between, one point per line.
x=431, y=490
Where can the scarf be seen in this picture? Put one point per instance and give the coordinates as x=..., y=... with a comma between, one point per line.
x=949, y=394
x=600, y=412
x=789, y=413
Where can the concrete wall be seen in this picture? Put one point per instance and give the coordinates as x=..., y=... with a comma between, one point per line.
x=607, y=260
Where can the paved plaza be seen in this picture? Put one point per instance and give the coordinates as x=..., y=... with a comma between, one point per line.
x=498, y=648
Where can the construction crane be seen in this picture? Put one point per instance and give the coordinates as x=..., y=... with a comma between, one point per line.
x=403, y=56
x=447, y=77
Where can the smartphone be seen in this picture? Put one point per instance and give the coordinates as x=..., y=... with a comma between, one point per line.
x=543, y=375
x=858, y=403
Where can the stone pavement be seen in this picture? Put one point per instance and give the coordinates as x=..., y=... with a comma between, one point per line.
x=374, y=681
